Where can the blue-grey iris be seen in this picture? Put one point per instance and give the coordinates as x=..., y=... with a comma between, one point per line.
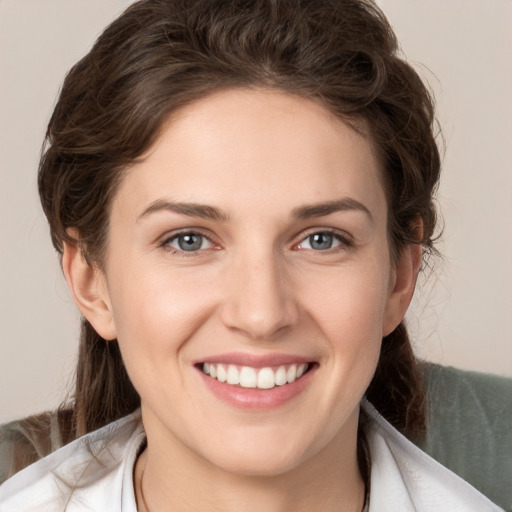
x=321, y=241
x=190, y=242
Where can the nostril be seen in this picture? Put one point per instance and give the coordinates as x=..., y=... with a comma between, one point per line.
x=258, y=323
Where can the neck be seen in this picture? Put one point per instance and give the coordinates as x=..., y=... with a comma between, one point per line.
x=179, y=480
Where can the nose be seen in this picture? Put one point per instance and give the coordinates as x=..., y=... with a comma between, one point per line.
x=259, y=301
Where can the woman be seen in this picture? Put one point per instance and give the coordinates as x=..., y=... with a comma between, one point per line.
x=241, y=193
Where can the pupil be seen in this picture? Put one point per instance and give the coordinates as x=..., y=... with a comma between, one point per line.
x=321, y=241
x=190, y=242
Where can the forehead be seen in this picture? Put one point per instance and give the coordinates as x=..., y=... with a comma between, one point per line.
x=240, y=147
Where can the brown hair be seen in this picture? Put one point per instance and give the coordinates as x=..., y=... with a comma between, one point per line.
x=163, y=54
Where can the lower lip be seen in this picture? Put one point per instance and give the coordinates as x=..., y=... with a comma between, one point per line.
x=254, y=398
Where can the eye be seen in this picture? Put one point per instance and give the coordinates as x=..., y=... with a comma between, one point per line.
x=322, y=241
x=189, y=242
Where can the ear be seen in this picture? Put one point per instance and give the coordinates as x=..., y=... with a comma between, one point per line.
x=89, y=289
x=403, y=283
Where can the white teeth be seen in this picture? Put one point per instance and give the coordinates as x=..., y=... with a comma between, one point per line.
x=233, y=375
x=266, y=378
x=291, y=374
x=248, y=377
x=301, y=369
x=281, y=376
x=221, y=374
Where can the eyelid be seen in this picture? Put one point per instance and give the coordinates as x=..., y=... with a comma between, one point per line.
x=345, y=238
x=173, y=235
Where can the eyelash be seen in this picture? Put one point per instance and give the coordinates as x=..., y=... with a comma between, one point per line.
x=180, y=252
x=345, y=242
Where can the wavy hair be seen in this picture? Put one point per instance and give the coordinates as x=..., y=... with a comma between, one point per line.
x=161, y=55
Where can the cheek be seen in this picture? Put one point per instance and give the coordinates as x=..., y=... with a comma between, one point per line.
x=349, y=304
x=155, y=314
x=349, y=309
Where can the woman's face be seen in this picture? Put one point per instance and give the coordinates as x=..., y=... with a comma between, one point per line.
x=252, y=237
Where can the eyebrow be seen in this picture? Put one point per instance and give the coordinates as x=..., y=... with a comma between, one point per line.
x=190, y=209
x=329, y=207
x=210, y=212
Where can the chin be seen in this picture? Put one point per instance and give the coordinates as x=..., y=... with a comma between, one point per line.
x=266, y=457
x=260, y=465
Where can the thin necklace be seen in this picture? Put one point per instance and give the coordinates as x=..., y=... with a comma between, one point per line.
x=146, y=508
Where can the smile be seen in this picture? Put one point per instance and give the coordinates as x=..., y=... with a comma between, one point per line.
x=260, y=378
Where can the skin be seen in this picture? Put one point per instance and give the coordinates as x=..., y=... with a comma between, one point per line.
x=255, y=286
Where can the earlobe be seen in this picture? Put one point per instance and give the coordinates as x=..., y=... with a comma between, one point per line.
x=89, y=290
x=404, y=283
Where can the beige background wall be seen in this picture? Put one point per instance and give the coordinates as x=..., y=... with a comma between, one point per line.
x=462, y=315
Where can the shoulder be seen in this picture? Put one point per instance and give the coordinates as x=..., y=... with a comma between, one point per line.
x=86, y=471
x=405, y=478
x=469, y=417
x=25, y=441
x=482, y=392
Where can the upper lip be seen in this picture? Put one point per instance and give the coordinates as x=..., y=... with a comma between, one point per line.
x=255, y=360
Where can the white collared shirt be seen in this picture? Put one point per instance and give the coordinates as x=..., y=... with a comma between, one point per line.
x=95, y=473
